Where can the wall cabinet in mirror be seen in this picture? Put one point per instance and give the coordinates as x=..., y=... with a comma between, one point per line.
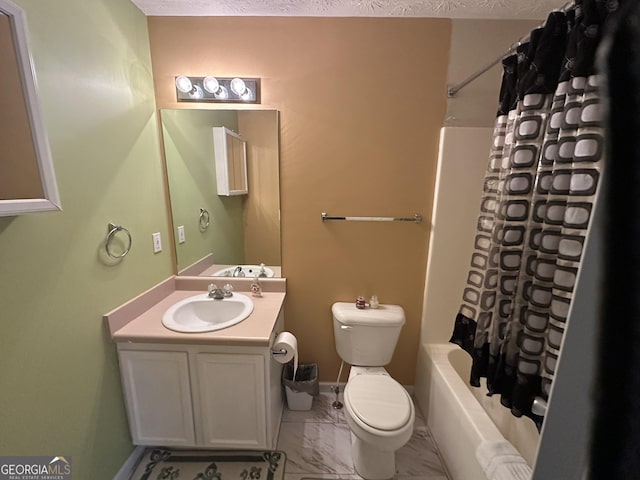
x=230, y=151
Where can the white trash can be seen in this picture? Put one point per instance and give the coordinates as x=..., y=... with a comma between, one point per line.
x=301, y=390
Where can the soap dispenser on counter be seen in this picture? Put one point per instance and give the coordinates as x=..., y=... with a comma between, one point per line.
x=256, y=289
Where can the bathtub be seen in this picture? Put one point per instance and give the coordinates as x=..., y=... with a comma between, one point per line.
x=462, y=417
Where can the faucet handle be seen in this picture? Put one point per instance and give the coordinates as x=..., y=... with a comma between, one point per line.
x=215, y=292
x=227, y=290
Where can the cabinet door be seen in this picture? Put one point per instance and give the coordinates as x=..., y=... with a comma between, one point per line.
x=157, y=393
x=231, y=400
x=230, y=151
x=237, y=164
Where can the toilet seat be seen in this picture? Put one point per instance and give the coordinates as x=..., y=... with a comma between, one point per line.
x=379, y=402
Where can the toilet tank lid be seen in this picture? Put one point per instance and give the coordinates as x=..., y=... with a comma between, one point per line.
x=386, y=315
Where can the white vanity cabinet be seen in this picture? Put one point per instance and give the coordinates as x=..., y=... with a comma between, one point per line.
x=230, y=394
x=157, y=392
x=230, y=151
x=210, y=396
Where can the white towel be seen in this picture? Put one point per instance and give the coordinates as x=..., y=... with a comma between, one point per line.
x=501, y=461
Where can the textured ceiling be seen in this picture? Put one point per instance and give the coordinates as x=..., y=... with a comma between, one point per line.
x=499, y=9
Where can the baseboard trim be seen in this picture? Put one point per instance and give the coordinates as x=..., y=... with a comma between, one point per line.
x=325, y=387
x=129, y=466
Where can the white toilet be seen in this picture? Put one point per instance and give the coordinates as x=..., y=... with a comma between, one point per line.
x=379, y=411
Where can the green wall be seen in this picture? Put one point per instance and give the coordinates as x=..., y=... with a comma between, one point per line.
x=188, y=144
x=59, y=379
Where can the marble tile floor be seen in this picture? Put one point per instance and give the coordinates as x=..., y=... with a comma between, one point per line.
x=318, y=445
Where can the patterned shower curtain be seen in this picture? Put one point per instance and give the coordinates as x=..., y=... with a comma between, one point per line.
x=539, y=188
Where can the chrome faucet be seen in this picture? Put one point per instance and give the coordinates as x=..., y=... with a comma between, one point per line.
x=215, y=292
x=263, y=272
x=238, y=272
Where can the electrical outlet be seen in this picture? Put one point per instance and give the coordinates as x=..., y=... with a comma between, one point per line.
x=157, y=242
x=181, y=234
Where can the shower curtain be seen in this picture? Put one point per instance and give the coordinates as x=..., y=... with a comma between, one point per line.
x=615, y=437
x=539, y=188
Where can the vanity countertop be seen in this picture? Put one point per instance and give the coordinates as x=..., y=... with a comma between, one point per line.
x=135, y=323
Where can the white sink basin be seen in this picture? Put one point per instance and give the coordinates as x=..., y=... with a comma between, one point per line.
x=250, y=271
x=201, y=313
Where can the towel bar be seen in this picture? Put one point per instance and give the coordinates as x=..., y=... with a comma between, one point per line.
x=204, y=219
x=112, y=229
x=417, y=218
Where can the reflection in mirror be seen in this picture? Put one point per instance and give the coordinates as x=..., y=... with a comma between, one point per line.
x=27, y=179
x=244, y=230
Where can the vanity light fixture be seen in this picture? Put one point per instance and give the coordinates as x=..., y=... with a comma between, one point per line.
x=217, y=89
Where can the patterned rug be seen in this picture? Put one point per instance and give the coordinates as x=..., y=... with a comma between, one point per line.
x=163, y=464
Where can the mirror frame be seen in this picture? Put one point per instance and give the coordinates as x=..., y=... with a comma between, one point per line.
x=51, y=198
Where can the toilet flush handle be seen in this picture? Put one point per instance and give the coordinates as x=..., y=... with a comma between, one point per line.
x=346, y=327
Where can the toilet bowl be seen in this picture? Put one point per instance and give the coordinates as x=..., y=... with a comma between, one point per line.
x=380, y=415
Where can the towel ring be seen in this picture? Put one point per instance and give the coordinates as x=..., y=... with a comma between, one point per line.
x=204, y=219
x=112, y=230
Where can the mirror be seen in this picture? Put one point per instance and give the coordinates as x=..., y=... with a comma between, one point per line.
x=27, y=178
x=230, y=231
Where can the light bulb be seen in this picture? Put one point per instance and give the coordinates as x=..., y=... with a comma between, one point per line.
x=211, y=84
x=238, y=87
x=184, y=84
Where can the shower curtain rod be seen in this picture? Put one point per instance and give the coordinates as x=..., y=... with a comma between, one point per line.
x=454, y=89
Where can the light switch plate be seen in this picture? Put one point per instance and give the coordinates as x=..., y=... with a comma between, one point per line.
x=157, y=242
x=181, y=238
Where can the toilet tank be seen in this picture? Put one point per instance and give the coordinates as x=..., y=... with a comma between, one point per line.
x=366, y=337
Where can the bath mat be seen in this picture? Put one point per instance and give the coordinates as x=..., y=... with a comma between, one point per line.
x=164, y=464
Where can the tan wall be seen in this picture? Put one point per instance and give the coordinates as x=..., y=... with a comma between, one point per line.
x=262, y=205
x=351, y=144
